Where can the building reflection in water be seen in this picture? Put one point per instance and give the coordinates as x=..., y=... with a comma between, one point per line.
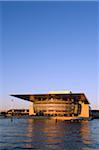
x=85, y=135
x=29, y=134
x=48, y=134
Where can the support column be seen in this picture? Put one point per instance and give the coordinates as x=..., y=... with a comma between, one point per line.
x=31, y=109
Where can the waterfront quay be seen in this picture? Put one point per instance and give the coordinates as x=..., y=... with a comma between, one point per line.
x=24, y=113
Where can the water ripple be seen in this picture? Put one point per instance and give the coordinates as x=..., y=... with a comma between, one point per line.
x=47, y=135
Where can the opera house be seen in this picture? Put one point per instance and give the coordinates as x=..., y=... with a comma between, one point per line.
x=60, y=104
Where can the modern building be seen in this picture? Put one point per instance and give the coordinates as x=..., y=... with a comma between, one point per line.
x=64, y=104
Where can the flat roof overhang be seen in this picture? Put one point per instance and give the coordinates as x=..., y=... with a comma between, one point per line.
x=35, y=97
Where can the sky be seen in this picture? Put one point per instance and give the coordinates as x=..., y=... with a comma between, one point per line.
x=48, y=46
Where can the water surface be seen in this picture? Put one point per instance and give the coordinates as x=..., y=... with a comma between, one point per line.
x=48, y=135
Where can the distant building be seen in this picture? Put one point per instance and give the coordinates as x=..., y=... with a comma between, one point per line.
x=60, y=104
x=95, y=114
x=17, y=112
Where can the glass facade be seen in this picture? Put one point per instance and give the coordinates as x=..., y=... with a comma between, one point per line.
x=57, y=107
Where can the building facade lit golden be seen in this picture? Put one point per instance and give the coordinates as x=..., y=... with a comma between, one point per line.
x=64, y=104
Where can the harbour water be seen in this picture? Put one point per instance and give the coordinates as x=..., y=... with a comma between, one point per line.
x=41, y=134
